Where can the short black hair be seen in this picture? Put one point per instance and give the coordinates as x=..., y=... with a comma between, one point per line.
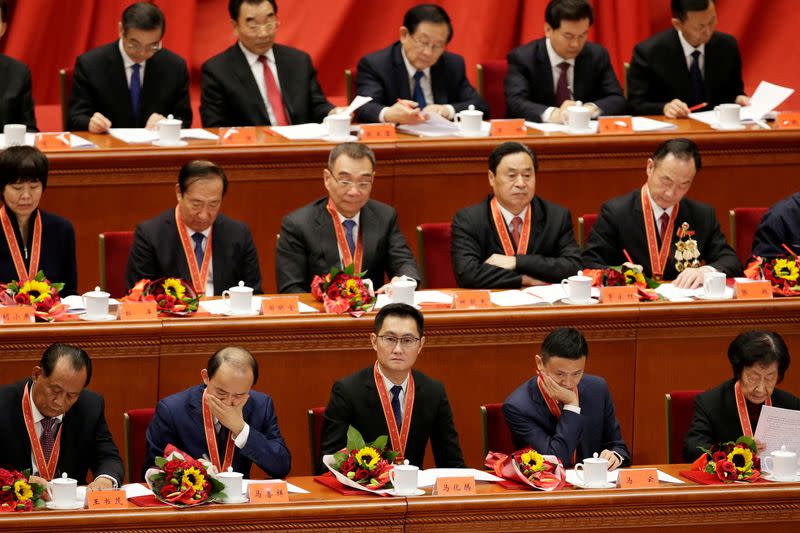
x=680, y=8
x=353, y=151
x=78, y=359
x=758, y=347
x=143, y=16
x=568, y=343
x=235, y=6
x=508, y=148
x=197, y=170
x=23, y=164
x=233, y=355
x=680, y=148
x=3, y=11
x=558, y=10
x=427, y=13
x=402, y=311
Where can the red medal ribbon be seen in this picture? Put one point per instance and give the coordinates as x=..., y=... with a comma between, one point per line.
x=47, y=469
x=211, y=440
x=13, y=246
x=199, y=273
x=552, y=405
x=398, y=438
x=741, y=407
x=658, y=258
x=341, y=240
x=502, y=230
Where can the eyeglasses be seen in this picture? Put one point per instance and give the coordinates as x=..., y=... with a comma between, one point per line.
x=752, y=379
x=252, y=26
x=435, y=48
x=347, y=183
x=134, y=46
x=390, y=341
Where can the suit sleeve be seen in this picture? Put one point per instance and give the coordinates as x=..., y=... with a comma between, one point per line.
x=141, y=259
x=518, y=92
x=612, y=101
x=183, y=107
x=251, y=273
x=701, y=433
x=603, y=247
x=718, y=252
x=737, y=84
x=565, y=263
x=468, y=261
x=368, y=83
x=265, y=445
x=69, y=262
x=612, y=435
x=212, y=99
x=466, y=93
x=26, y=103
x=291, y=259
x=320, y=106
x=444, y=437
x=640, y=76
x=160, y=432
x=337, y=420
x=773, y=231
x=401, y=260
x=80, y=108
x=527, y=432
x=105, y=456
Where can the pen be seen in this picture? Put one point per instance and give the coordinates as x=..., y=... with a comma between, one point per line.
x=404, y=103
x=627, y=256
x=698, y=106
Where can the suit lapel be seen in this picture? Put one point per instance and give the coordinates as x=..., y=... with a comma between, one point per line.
x=172, y=230
x=678, y=65
x=218, y=255
x=400, y=74
x=327, y=242
x=537, y=226
x=241, y=69
x=582, y=76
x=152, y=73
x=118, y=81
x=545, y=69
x=439, y=83
x=712, y=65
x=368, y=226
x=285, y=77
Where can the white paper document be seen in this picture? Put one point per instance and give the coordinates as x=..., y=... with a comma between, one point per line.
x=145, y=136
x=676, y=294
x=133, y=490
x=427, y=478
x=75, y=141
x=420, y=297
x=435, y=126
x=220, y=307
x=293, y=489
x=357, y=102
x=641, y=124
x=611, y=477
x=302, y=132
x=74, y=303
x=555, y=292
x=778, y=427
x=198, y=133
x=515, y=298
x=767, y=97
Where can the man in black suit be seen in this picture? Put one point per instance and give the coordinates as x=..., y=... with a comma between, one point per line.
x=513, y=238
x=340, y=228
x=256, y=82
x=548, y=75
x=175, y=243
x=416, y=76
x=133, y=82
x=64, y=419
x=646, y=222
x=685, y=66
x=16, y=101
x=390, y=394
x=780, y=225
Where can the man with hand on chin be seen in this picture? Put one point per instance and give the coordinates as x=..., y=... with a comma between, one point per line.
x=223, y=419
x=562, y=411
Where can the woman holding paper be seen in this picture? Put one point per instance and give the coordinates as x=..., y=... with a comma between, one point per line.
x=759, y=360
x=33, y=239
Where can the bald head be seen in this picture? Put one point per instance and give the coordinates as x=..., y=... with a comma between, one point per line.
x=234, y=358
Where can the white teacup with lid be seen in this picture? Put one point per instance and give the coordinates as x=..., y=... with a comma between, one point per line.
x=63, y=491
x=404, y=478
x=239, y=299
x=469, y=120
x=96, y=304
x=782, y=464
x=578, y=117
x=403, y=290
x=169, y=131
x=593, y=471
x=233, y=485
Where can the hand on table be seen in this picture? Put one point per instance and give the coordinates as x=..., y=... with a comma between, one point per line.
x=676, y=109
x=743, y=100
x=442, y=110
x=528, y=281
x=153, y=121
x=559, y=115
x=691, y=278
x=99, y=123
x=405, y=112
x=101, y=483
x=43, y=482
x=613, y=460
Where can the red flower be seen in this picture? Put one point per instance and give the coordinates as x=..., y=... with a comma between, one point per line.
x=614, y=278
x=726, y=470
x=6, y=478
x=337, y=306
x=316, y=288
x=171, y=466
x=719, y=456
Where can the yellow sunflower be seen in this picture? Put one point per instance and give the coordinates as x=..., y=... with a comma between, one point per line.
x=742, y=458
x=786, y=269
x=368, y=457
x=633, y=276
x=22, y=490
x=533, y=459
x=36, y=290
x=350, y=287
x=194, y=478
x=174, y=287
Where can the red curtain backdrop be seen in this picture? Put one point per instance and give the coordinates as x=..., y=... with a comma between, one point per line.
x=48, y=34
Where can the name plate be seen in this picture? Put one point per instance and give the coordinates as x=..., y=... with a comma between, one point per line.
x=622, y=124
x=107, y=499
x=753, y=290
x=377, y=132
x=280, y=305
x=637, y=478
x=616, y=295
x=138, y=311
x=17, y=314
x=272, y=491
x=508, y=127
x=788, y=120
x=243, y=135
x=53, y=141
x=471, y=300
x=454, y=486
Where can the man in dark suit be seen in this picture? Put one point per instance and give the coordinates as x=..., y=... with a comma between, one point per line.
x=416, y=76
x=562, y=411
x=133, y=82
x=340, y=228
x=513, y=238
x=646, y=223
x=780, y=225
x=241, y=417
x=548, y=75
x=383, y=396
x=66, y=418
x=686, y=66
x=256, y=82
x=160, y=249
x=16, y=101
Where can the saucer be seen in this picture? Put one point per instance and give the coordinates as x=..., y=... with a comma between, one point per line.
x=587, y=131
x=105, y=318
x=77, y=504
x=233, y=501
x=349, y=138
x=478, y=134
x=608, y=485
x=583, y=302
x=417, y=492
x=732, y=127
x=252, y=312
x=162, y=143
x=768, y=477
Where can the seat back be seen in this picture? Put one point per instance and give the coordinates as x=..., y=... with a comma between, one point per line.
x=135, y=425
x=496, y=435
x=626, y=67
x=585, y=223
x=114, y=249
x=350, y=83
x=680, y=410
x=65, y=93
x=744, y=223
x=434, y=241
x=315, y=420
x=491, y=79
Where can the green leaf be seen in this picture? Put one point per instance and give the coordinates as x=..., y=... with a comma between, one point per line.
x=380, y=443
x=749, y=441
x=40, y=276
x=354, y=439
x=161, y=461
x=391, y=455
x=350, y=269
x=339, y=458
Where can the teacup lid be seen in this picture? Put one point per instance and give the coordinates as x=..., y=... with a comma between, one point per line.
x=97, y=293
x=578, y=108
x=63, y=479
x=595, y=458
x=783, y=452
x=169, y=120
x=405, y=281
x=472, y=111
x=240, y=288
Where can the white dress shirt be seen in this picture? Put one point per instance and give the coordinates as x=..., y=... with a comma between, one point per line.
x=508, y=216
x=424, y=82
x=240, y=441
x=210, y=280
x=556, y=60
x=400, y=397
x=687, y=53
x=355, y=218
x=258, y=73
x=128, y=63
x=658, y=211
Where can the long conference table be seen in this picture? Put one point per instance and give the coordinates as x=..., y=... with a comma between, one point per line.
x=714, y=508
x=116, y=185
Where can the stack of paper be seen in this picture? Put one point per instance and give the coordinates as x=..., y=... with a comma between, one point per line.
x=611, y=477
x=219, y=307
x=422, y=299
x=640, y=124
x=767, y=97
x=302, y=132
x=74, y=140
x=435, y=126
x=143, y=136
x=515, y=298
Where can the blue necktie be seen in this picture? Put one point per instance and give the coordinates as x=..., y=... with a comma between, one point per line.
x=419, y=96
x=136, y=92
x=198, y=248
x=696, y=80
x=348, y=233
x=398, y=413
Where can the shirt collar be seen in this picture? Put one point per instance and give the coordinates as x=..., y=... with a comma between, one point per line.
x=688, y=48
x=252, y=58
x=556, y=59
x=127, y=62
x=508, y=216
x=657, y=209
x=355, y=218
x=389, y=383
x=37, y=415
x=206, y=232
x=411, y=69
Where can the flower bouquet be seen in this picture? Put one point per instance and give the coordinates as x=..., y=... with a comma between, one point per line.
x=781, y=272
x=363, y=466
x=181, y=481
x=173, y=296
x=528, y=467
x=17, y=494
x=731, y=461
x=38, y=292
x=620, y=276
x=344, y=291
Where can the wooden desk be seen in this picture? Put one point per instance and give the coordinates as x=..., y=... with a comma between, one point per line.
x=116, y=186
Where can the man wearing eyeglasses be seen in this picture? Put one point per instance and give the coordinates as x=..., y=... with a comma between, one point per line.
x=16, y=100
x=416, y=76
x=391, y=398
x=343, y=228
x=132, y=82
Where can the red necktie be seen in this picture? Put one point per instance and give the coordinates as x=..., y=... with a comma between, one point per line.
x=562, y=88
x=663, y=220
x=273, y=94
x=516, y=227
x=47, y=440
